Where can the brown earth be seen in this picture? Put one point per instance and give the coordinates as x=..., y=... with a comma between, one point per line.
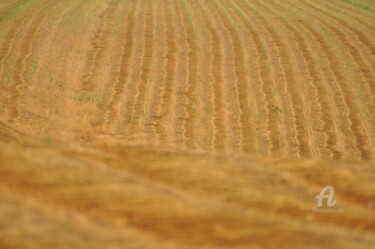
x=186, y=123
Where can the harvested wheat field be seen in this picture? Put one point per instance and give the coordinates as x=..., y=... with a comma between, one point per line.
x=187, y=124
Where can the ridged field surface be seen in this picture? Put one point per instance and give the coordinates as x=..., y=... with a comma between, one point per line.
x=186, y=123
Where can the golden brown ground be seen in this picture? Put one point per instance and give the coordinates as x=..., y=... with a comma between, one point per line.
x=186, y=123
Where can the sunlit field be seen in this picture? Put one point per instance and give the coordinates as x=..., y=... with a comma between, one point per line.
x=187, y=124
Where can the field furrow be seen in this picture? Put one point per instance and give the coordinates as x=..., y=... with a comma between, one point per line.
x=168, y=84
x=249, y=80
x=293, y=87
x=362, y=139
x=139, y=107
x=111, y=108
x=229, y=82
x=359, y=56
x=340, y=103
x=153, y=109
x=8, y=41
x=359, y=129
x=344, y=11
x=360, y=35
x=19, y=76
x=246, y=123
x=191, y=81
x=264, y=73
x=216, y=84
x=322, y=93
x=98, y=47
x=322, y=98
x=269, y=107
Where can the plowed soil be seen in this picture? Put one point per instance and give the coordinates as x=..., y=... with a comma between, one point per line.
x=186, y=123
